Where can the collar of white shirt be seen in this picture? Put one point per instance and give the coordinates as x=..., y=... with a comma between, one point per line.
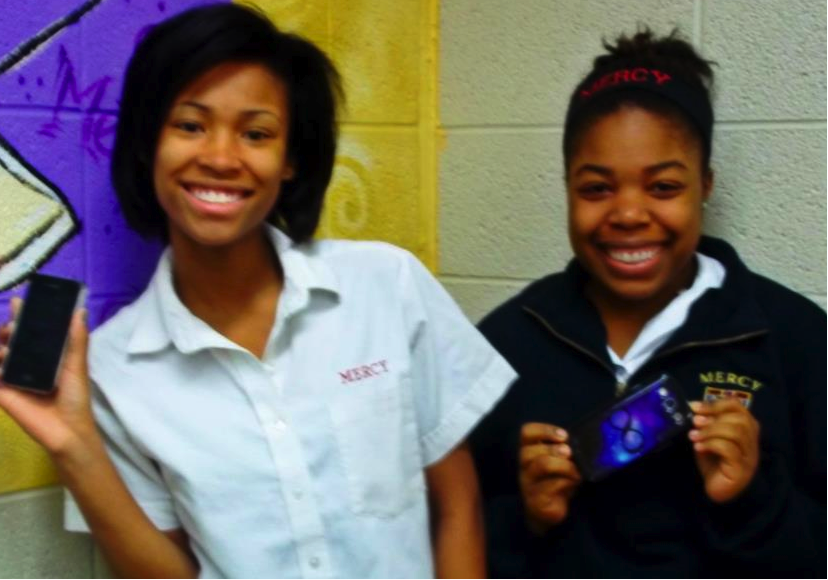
x=711, y=274
x=164, y=319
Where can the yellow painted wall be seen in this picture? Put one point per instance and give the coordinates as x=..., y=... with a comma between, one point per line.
x=384, y=185
x=23, y=464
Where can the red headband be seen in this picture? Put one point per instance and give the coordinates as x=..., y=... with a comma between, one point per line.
x=690, y=98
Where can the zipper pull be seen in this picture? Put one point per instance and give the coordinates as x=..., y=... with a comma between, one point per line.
x=620, y=387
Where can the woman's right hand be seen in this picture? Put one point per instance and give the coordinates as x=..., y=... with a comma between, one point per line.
x=64, y=419
x=548, y=477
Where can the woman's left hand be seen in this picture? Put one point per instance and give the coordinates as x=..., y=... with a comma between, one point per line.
x=726, y=444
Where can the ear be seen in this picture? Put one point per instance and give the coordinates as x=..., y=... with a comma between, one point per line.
x=707, y=185
x=289, y=171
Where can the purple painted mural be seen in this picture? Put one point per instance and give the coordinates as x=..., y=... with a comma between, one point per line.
x=60, y=79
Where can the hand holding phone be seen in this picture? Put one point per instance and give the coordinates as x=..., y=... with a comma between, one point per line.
x=548, y=477
x=65, y=417
x=725, y=440
x=629, y=429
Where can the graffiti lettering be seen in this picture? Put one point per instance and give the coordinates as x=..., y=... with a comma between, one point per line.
x=98, y=125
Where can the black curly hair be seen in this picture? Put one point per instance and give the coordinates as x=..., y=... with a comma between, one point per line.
x=644, y=49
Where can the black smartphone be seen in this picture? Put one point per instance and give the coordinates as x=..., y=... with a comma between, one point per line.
x=630, y=428
x=40, y=332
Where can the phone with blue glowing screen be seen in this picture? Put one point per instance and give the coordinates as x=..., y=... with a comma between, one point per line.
x=629, y=429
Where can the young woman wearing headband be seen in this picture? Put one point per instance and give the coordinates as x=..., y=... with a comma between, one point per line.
x=743, y=494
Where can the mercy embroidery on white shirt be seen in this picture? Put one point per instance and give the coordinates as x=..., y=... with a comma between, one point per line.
x=360, y=373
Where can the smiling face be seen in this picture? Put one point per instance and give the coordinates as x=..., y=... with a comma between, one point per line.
x=636, y=186
x=222, y=155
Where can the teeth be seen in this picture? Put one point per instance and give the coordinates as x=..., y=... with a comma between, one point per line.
x=216, y=196
x=632, y=257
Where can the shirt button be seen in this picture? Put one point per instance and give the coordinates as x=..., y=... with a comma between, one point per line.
x=314, y=562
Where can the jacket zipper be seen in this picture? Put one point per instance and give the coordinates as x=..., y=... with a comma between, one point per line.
x=571, y=343
x=701, y=343
x=716, y=342
x=620, y=386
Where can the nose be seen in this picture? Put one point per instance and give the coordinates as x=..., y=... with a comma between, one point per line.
x=220, y=153
x=630, y=209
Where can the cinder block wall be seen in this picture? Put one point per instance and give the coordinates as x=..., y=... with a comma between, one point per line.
x=507, y=69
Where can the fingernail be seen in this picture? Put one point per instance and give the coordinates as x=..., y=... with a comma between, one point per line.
x=694, y=434
x=701, y=420
x=696, y=406
x=560, y=433
x=563, y=450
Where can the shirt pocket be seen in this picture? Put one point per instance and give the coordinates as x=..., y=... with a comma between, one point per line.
x=377, y=439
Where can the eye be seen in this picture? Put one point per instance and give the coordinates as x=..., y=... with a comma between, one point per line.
x=594, y=190
x=188, y=126
x=257, y=135
x=666, y=189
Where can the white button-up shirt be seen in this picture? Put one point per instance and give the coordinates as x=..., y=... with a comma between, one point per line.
x=308, y=462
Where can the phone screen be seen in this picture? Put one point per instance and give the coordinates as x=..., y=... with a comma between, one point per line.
x=630, y=428
x=36, y=347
